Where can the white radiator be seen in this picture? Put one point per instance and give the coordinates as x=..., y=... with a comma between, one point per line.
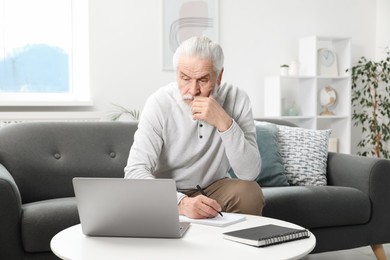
x=7, y=118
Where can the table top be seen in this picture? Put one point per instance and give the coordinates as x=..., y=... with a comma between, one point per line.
x=199, y=242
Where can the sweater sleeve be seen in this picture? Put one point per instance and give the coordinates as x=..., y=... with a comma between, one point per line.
x=147, y=144
x=240, y=142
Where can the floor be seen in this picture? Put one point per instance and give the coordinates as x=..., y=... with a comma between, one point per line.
x=362, y=253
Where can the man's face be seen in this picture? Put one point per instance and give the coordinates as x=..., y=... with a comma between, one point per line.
x=195, y=77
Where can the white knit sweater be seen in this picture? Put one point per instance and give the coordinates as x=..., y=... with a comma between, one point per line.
x=170, y=144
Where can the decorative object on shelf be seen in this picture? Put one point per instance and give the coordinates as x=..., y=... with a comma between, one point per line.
x=333, y=145
x=328, y=98
x=284, y=70
x=371, y=105
x=293, y=110
x=327, y=62
x=294, y=68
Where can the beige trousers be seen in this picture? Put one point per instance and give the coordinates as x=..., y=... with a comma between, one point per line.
x=235, y=195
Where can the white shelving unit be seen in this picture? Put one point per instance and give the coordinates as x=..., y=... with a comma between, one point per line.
x=281, y=93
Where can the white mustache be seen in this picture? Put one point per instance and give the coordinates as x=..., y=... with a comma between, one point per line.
x=188, y=97
x=191, y=97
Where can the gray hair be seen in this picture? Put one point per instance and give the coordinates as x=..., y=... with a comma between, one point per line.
x=201, y=47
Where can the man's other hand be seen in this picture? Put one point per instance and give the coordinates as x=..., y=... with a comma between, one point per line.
x=199, y=207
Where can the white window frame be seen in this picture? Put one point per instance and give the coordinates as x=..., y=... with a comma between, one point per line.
x=79, y=94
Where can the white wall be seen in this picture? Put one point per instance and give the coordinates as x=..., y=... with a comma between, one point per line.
x=257, y=36
x=382, y=28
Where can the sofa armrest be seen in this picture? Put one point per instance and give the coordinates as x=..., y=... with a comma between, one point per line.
x=371, y=176
x=10, y=214
x=363, y=173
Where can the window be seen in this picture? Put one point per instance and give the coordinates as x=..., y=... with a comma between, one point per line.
x=44, y=53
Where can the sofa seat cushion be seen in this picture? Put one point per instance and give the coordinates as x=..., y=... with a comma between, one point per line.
x=317, y=206
x=43, y=219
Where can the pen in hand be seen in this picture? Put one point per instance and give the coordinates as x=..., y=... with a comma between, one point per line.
x=204, y=194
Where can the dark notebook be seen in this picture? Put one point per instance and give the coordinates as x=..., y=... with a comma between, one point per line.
x=266, y=235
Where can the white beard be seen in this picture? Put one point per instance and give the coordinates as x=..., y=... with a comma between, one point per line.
x=188, y=97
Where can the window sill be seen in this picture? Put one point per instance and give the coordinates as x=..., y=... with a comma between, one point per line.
x=44, y=100
x=16, y=117
x=45, y=103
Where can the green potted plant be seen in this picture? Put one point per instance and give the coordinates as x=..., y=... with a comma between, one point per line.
x=120, y=111
x=284, y=69
x=371, y=105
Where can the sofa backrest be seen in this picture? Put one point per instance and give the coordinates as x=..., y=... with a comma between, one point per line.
x=43, y=157
x=276, y=121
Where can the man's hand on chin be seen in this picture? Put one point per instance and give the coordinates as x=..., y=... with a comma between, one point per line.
x=210, y=111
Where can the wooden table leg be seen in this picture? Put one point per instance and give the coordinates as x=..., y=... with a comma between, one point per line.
x=379, y=252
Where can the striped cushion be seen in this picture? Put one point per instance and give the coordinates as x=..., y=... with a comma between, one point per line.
x=304, y=153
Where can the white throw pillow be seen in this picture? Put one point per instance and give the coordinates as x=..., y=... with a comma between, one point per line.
x=304, y=153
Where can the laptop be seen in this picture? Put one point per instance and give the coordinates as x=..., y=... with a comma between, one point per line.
x=128, y=207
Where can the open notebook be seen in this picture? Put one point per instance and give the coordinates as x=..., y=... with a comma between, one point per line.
x=219, y=221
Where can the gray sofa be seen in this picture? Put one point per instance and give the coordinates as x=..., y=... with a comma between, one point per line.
x=38, y=161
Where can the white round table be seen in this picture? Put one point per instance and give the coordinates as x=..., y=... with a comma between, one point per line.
x=199, y=242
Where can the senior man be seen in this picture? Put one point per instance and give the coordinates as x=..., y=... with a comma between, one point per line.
x=194, y=130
